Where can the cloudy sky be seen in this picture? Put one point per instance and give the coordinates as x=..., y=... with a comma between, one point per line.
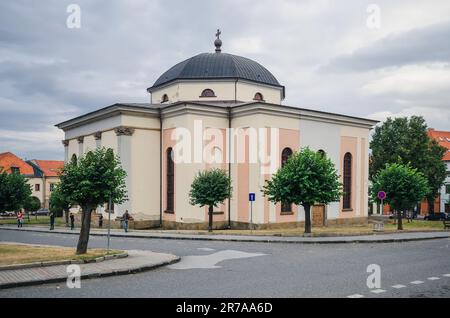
x=330, y=55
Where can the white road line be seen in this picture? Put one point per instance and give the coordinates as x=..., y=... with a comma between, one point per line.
x=355, y=296
x=398, y=286
x=433, y=278
x=417, y=282
x=446, y=275
x=378, y=291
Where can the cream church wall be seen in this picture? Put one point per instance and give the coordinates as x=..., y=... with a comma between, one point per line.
x=361, y=174
x=145, y=164
x=326, y=137
x=227, y=90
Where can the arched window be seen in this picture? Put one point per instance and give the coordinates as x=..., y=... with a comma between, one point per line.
x=347, y=198
x=285, y=154
x=170, y=181
x=322, y=153
x=164, y=98
x=208, y=93
x=258, y=97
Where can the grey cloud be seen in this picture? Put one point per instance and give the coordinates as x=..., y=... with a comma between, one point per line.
x=427, y=44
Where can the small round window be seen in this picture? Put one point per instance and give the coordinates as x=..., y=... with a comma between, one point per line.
x=258, y=97
x=208, y=93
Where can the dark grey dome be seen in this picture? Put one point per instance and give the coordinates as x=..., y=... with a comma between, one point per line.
x=217, y=66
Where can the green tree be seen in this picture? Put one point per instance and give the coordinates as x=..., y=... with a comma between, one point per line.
x=210, y=188
x=14, y=191
x=32, y=204
x=404, y=187
x=89, y=182
x=307, y=178
x=60, y=203
x=406, y=141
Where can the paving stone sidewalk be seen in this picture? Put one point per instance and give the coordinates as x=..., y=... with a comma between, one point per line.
x=135, y=262
x=375, y=238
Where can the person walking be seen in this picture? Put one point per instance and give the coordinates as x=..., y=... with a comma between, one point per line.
x=125, y=218
x=100, y=221
x=52, y=221
x=20, y=219
x=72, y=221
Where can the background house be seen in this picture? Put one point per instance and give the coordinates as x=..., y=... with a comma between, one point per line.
x=42, y=175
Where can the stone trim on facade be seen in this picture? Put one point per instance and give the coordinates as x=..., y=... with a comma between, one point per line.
x=124, y=131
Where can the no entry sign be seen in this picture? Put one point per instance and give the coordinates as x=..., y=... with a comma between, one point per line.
x=381, y=195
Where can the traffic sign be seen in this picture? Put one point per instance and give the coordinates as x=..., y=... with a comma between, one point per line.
x=251, y=197
x=381, y=195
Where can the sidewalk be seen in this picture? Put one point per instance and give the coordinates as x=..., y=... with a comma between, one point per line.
x=375, y=238
x=135, y=262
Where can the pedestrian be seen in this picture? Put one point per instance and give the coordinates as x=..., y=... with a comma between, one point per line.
x=20, y=219
x=52, y=221
x=100, y=221
x=125, y=218
x=72, y=221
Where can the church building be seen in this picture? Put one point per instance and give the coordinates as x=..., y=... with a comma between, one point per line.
x=222, y=110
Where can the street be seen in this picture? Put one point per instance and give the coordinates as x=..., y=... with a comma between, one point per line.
x=243, y=269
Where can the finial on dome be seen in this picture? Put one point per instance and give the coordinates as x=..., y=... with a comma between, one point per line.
x=218, y=41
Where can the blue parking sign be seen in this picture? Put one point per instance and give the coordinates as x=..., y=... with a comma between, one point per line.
x=251, y=197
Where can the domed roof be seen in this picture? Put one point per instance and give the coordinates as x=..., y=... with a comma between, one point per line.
x=217, y=66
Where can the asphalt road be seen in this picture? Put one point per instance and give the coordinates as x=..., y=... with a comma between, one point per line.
x=233, y=269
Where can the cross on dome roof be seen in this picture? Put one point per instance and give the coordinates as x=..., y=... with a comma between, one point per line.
x=218, y=41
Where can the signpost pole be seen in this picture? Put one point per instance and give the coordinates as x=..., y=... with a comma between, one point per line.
x=251, y=216
x=109, y=222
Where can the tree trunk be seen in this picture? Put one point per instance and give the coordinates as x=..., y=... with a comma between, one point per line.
x=85, y=229
x=66, y=213
x=307, y=218
x=210, y=214
x=399, y=221
x=430, y=206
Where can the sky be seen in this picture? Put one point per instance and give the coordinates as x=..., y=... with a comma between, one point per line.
x=372, y=59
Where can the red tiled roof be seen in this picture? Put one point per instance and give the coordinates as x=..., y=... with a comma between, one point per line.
x=8, y=160
x=443, y=138
x=50, y=168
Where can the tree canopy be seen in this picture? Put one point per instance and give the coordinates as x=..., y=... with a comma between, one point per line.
x=89, y=181
x=404, y=187
x=307, y=178
x=210, y=188
x=14, y=191
x=406, y=141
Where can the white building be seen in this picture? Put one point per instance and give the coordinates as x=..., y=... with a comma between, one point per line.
x=206, y=112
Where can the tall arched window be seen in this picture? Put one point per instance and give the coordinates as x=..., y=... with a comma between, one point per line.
x=285, y=154
x=258, y=97
x=170, y=184
x=347, y=198
x=208, y=93
x=164, y=98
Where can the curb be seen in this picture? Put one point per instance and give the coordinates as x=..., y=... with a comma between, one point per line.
x=126, y=271
x=252, y=240
x=64, y=262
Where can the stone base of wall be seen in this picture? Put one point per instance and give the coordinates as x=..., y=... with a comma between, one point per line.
x=117, y=224
x=170, y=225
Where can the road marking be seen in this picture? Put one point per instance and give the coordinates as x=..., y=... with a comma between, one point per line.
x=417, y=282
x=433, y=278
x=355, y=296
x=211, y=260
x=206, y=249
x=446, y=275
x=398, y=286
x=378, y=291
